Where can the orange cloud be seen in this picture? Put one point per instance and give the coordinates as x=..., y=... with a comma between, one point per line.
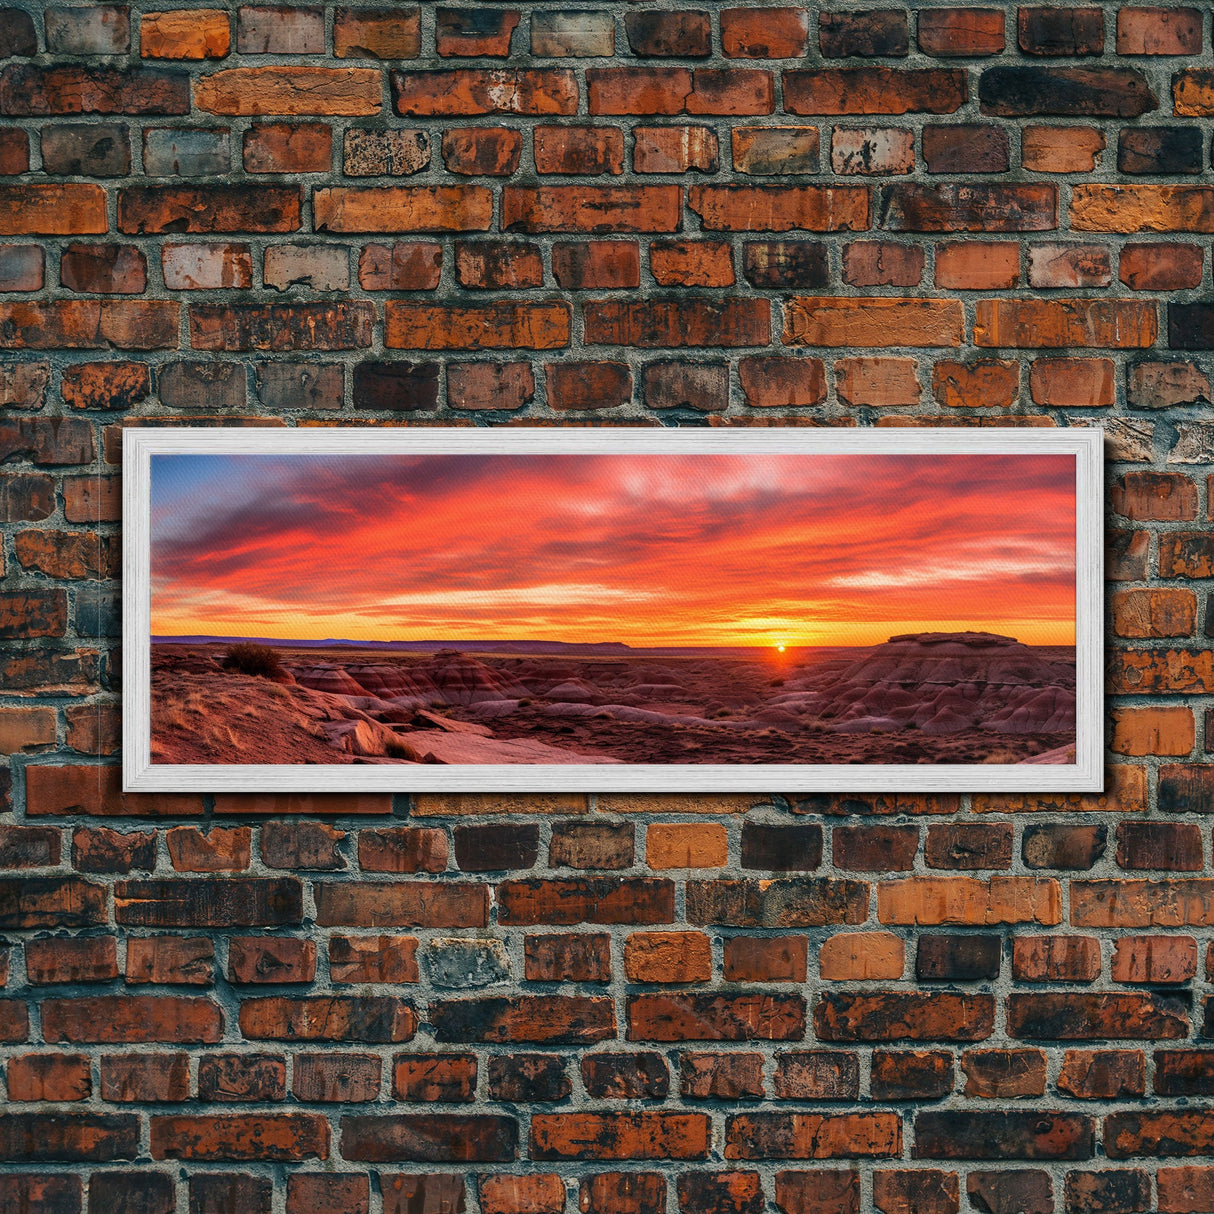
x=646, y=549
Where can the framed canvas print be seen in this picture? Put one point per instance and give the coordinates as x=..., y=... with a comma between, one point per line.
x=505, y=609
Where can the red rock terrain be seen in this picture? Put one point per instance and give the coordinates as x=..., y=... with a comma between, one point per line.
x=924, y=698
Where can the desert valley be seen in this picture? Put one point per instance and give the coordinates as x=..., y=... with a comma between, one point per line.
x=940, y=697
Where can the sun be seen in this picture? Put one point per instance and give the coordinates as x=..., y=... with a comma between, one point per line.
x=779, y=649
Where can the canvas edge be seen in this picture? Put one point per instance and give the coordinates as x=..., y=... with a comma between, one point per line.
x=140, y=775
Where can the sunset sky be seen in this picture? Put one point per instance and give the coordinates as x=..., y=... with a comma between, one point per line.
x=742, y=549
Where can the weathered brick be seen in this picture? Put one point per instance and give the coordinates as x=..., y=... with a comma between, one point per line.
x=289, y=90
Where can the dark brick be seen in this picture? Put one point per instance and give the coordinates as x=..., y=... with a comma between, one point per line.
x=496, y=848
x=227, y=1193
x=589, y=845
x=911, y=1074
x=429, y=1138
x=1061, y=31
x=1161, y=150
x=781, y=848
x=967, y=1134
x=1166, y=846
x=868, y=34
x=1096, y=92
x=969, y=846
x=1056, y=846
x=966, y=149
x=397, y=385
x=957, y=958
x=528, y=1077
x=639, y=1076
x=1025, y=1191
x=685, y=34
x=785, y=263
x=101, y=149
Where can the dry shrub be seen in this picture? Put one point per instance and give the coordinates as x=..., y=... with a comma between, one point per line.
x=257, y=660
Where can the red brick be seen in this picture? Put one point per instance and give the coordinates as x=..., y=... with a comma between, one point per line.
x=810, y=208
x=543, y=1193
x=34, y=1077
x=271, y=959
x=29, y=91
x=874, y=90
x=430, y=1138
x=169, y=960
x=89, y=324
x=1159, y=31
x=978, y=265
x=582, y=208
x=376, y=33
x=434, y=1077
x=596, y=264
x=872, y=150
x=572, y=957
x=630, y=1135
x=1160, y=496
x=684, y=33
x=1102, y=1074
x=875, y=263
x=588, y=150
x=482, y=151
x=766, y=33
x=1155, y=960
x=103, y=269
x=499, y=265
x=769, y=382
x=496, y=326
x=876, y=1135
x=290, y=90
x=879, y=382
x=872, y=321
x=656, y=323
x=680, y=90
x=373, y=1018
x=961, y=32
x=402, y=209
x=703, y=1016
x=132, y=1018
x=582, y=385
x=466, y=92
x=1055, y=958
x=21, y=268
x=285, y=147
x=14, y=152
x=549, y=1019
x=1036, y=323
x=985, y=384
x=322, y=1193
x=917, y=1191
x=378, y=959
x=241, y=1137
x=1072, y=382
x=71, y=960
x=485, y=32
x=1161, y=267
x=674, y=149
x=1154, y=613
x=199, y=33
x=208, y=209
x=336, y=1078
x=277, y=327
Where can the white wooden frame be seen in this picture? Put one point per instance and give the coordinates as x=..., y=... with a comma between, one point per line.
x=1085, y=775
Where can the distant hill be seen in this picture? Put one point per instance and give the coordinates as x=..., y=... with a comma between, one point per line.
x=605, y=647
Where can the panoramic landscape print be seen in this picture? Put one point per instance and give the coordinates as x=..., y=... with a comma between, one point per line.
x=613, y=608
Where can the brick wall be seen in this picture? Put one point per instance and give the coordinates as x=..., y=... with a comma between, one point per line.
x=614, y=1005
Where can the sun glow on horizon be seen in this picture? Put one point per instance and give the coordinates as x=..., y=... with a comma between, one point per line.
x=779, y=552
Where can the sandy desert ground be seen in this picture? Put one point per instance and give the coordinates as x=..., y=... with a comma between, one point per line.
x=923, y=698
